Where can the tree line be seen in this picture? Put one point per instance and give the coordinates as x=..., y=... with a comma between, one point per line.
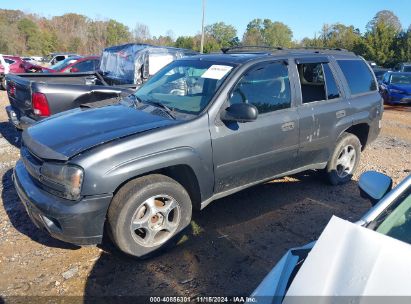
x=384, y=41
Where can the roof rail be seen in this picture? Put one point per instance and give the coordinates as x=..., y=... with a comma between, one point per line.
x=245, y=48
x=319, y=48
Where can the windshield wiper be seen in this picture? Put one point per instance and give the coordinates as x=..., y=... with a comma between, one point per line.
x=162, y=106
x=136, y=100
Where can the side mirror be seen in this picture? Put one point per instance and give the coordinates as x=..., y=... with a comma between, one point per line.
x=374, y=185
x=240, y=112
x=74, y=70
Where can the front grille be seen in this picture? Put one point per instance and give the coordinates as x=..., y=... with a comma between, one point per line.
x=31, y=162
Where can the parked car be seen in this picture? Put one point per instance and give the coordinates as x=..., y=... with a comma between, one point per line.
x=53, y=58
x=30, y=60
x=4, y=70
x=395, y=88
x=390, y=215
x=202, y=128
x=75, y=65
x=379, y=73
x=403, y=67
x=14, y=64
x=122, y=70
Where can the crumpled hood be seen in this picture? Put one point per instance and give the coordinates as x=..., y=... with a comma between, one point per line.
x=63, y=136
x=352, y=261
x=401, y=87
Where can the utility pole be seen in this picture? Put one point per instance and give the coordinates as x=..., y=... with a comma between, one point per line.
x=202, y=28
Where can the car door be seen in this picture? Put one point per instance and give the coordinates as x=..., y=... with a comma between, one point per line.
x=246, y=153
x=322, y=112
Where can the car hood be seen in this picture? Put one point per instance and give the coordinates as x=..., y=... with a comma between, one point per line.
x=402, y=87
x=62, y=136
x=274, y=286
x=352, y=261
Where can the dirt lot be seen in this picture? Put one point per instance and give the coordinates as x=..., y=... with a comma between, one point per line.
x=232, y=245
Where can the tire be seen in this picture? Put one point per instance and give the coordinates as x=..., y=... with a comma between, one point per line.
x=3, y=85
x=344, y=159
x=147, y=214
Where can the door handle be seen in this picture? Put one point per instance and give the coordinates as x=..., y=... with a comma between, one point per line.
x=288, y=126
x=340, y=114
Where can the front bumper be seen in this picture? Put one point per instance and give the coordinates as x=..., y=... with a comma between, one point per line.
x=20, y=123
x=80, y=222
x=396, y=98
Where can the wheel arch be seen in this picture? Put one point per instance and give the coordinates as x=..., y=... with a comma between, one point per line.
x=361, y=130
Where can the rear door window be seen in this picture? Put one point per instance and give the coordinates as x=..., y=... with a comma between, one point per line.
x=317, y=82
x=358, y=76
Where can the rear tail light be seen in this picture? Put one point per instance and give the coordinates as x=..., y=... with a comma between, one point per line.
x=40, y=104
x=12, y=89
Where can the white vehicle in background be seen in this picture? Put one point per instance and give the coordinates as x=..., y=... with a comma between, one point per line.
x=31, y=60
x=53, y=58
x=4, y=70
x=37, y=58
x=348, y=261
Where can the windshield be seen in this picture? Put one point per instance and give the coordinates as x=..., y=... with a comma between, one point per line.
x=401, y=79
x=63, y=64
x=396, y=220
x=185, y=86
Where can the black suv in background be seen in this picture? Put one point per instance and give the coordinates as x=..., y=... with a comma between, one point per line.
x=202, y=128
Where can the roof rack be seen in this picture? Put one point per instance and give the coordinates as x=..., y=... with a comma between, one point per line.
x=246, y=48
x=319, y=48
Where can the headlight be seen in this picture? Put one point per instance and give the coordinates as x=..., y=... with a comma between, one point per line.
x=66, y=180
x=396, y=91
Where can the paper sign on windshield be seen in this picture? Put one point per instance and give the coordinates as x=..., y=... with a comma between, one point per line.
x=216, y=72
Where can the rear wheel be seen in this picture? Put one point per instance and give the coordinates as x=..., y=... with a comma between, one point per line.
x=147, y=214
x=3, y=83
x=344, y=160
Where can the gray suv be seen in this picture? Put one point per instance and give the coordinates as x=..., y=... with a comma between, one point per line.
x=200, y=129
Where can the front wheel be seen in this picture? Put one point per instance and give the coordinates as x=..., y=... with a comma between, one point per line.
x=344, y=160
x=147, y=213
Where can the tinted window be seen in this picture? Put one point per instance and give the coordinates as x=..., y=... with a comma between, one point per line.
x=266, y=86
x=60, y=58
x=401, y=79
x=9, y=61
x=358, y=76
x=84, y=66
x=407, y=68
x=332, y=89
x=96, y=63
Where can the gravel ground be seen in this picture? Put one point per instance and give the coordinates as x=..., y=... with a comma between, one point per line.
x=231, y=245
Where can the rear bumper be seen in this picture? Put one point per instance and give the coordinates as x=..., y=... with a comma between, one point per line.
x=80, y=222
x=22, y=122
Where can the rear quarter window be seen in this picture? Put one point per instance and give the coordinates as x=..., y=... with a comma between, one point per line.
x=358, y=76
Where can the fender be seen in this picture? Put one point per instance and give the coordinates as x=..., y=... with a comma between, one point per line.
x=117, y=175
